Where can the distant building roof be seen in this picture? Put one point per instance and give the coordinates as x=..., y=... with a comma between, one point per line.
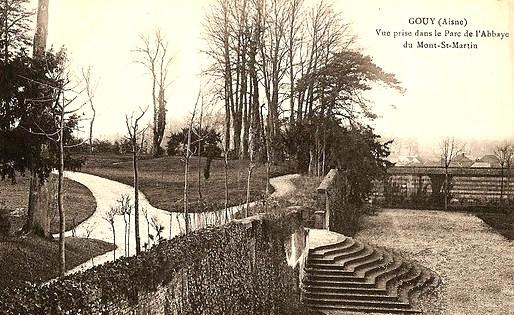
x=481, y=164
x=407, y=160
x=491, y=159
x=432, y=163
x=461, y=160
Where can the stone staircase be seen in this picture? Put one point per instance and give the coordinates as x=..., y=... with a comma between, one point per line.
x=352, y=276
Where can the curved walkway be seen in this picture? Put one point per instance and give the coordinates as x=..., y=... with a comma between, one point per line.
x=475, y=263
x=283, y=185
x=107, y=192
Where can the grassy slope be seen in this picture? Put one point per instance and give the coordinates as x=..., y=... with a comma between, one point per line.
x=79, y=202
x=162, y=179
x=35, y=259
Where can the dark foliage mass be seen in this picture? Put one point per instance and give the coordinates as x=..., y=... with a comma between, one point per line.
x=357, y=150
x=208, y=138
x=26, y=103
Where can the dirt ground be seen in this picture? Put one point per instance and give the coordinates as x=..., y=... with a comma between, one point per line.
x=476, y=264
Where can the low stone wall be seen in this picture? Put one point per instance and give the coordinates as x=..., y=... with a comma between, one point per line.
x=335, y=212
x=249, y=266
x=331, y=197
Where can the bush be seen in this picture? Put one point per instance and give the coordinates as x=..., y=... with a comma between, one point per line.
x=5, y=224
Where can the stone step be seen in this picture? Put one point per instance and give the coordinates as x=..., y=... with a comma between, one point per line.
x=318, y=271
x=408, y=286
x=389, y=270
x=352, y=251
x=328, y=289
x=363, y=256
x=375, y=268
x=394, y=280
x=373, y=260
x=432, y=281
x=354, y=246
x=350, y=296
x=324, y=248
x=357, y=303
x=335, y=277
x=353, y=276
x=325, y=266
x=364, y=309
x=342, y=247
x=339, y=284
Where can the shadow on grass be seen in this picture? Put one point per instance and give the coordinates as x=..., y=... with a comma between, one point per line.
x=501, y=222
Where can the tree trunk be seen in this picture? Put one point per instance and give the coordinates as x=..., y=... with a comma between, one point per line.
x=446, y=190
x=38, y=220
x=41, y=35
x=501, y=187
x=225, y=166
x=200, y=197
x=186, y=177
x=5, y=23
x=136, y=196
x=62, y=218
x=114, y=240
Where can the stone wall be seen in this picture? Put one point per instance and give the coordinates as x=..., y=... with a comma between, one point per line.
x=249, y=266
x=334, y=210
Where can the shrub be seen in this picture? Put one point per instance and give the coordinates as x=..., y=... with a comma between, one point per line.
x=5, y=224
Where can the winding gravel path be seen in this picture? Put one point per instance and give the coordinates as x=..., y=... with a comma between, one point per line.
x=283, y=185
x=107, y=192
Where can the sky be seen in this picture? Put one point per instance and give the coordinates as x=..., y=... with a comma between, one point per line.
x=465, y=93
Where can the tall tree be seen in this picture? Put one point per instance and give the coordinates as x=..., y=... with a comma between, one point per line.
x=27, y=92
x=187, y=156
x=62, y=109
x=153, y=54
x=90, y=88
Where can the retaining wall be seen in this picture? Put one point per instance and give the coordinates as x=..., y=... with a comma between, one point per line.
x=249, y=266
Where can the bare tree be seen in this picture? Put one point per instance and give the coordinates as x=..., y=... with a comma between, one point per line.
x=449, y=149
x=504, y=153
x=153, y=54
x=199, y=152
x=109, y=217
x=134, y=134
x=90, y=87
x=64, y=112
x=125, y=209
x=158, y=227
x=187, y=157
x=147, y=219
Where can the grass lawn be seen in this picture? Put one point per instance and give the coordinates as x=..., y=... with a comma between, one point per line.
x=162, y=180
x=474, y=262
x=35, y=259
x=79, y=203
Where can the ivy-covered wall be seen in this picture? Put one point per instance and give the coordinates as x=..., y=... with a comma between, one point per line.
x=239, y=268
